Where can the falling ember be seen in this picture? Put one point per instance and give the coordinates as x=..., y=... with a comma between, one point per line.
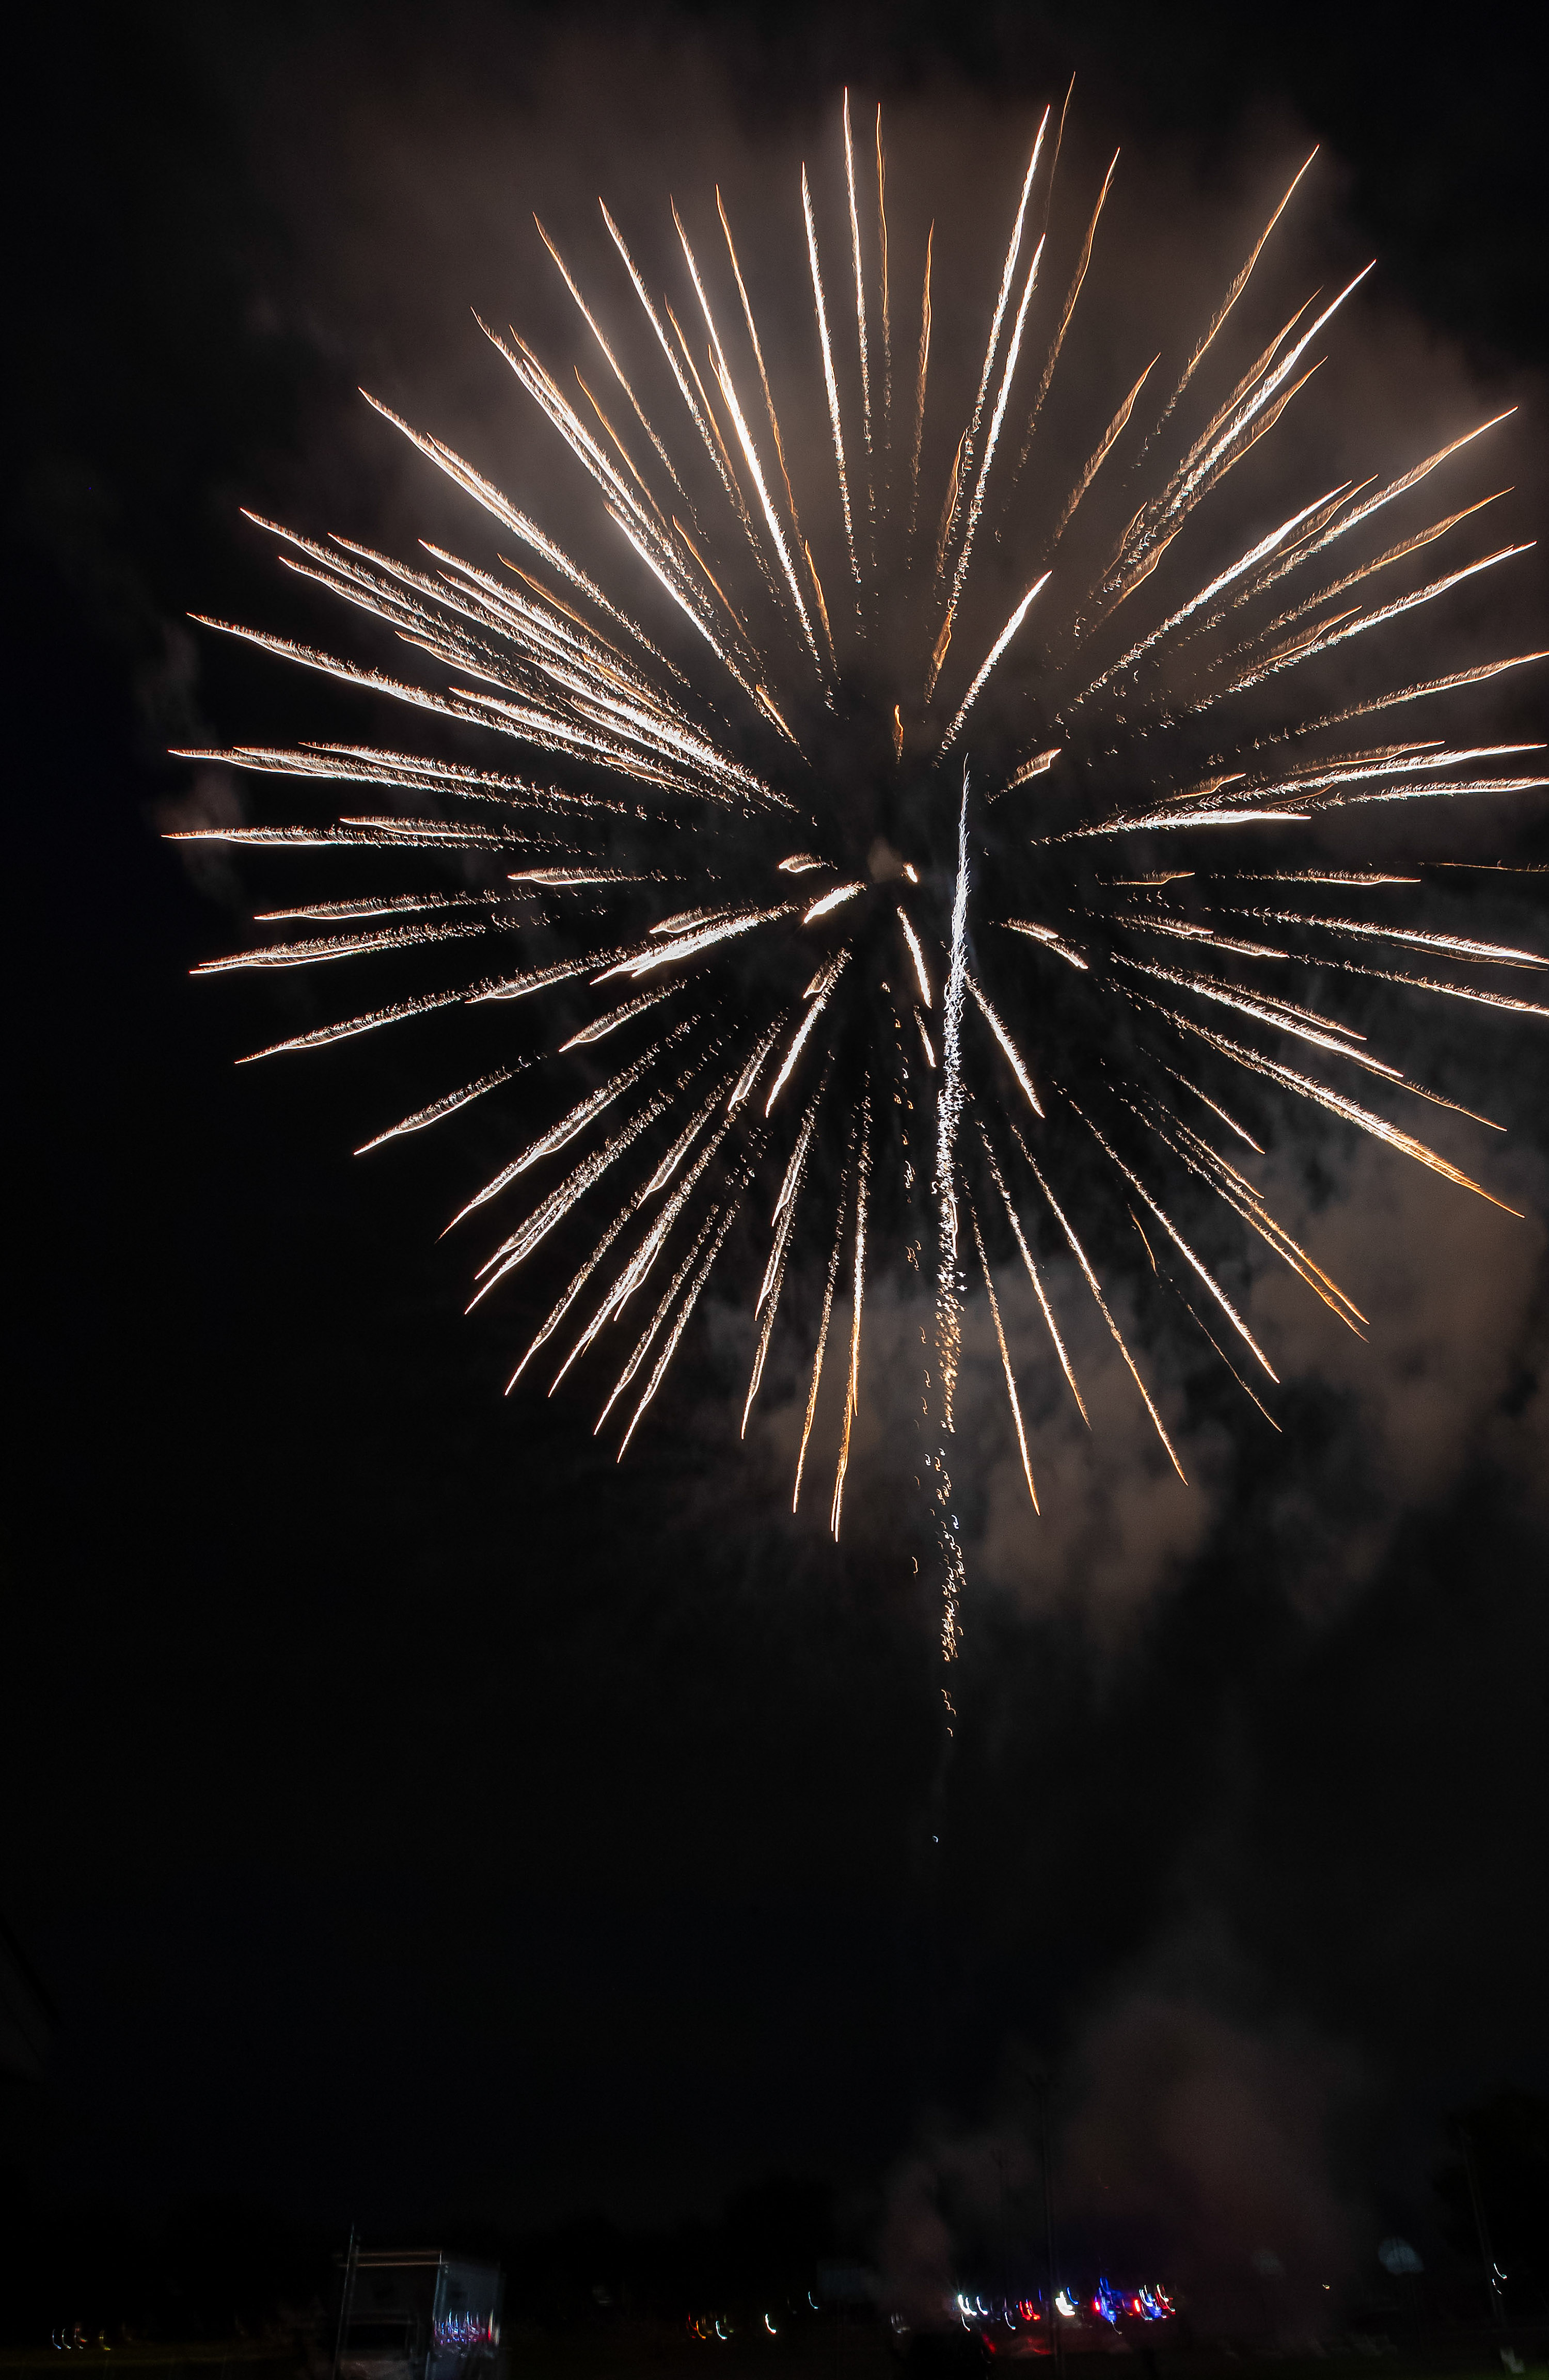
x=1005, y=1361
x=1004, y=1037
x=852, y=1396
x=922, y=974
x=1015, y=622
x=834, y=900
x=696, y=1066
x=829, y=381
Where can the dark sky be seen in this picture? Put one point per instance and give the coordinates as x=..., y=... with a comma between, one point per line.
x=409, y=1811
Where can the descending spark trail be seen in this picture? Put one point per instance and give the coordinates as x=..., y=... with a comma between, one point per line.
x=920, y=386
x=666, y=802
x=830, y=383
x=1015, y=622
x=860, y=282
x=823, y=1342
x=992, y=345
x=949, y=1285
x=1005, y=1359
x=852, y=1396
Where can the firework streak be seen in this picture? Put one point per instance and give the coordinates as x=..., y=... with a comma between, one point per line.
x=857, y=830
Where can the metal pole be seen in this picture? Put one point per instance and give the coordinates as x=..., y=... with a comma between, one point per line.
x=1049, y=2222
x=347, y=2301
x=1497, y=2307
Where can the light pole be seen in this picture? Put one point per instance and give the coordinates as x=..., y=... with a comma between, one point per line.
x=346, y=2300
x=1497, y=2303
x=1042, y=2083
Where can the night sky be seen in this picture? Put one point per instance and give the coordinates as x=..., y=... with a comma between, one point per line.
x=414, y=1818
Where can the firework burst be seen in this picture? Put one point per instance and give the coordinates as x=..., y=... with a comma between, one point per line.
x=921, y=875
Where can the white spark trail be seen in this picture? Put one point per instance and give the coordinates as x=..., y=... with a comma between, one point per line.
x=976, y=506
x=860, y=293
x=1360, y=511
x=695, y=410
x=688, y=944
x=1005, y=1356
x=1013, y=1054
x=1358, y=626
x=949, y=1101
x=1003, y=297
x=1238, y=285
x=768, y=393
x=729, y=393
x=831, y=975
x=568, y=1129
x=916, y=953
x=784, y=1221
x=829, y=381
x=857, y=1292
x=558, y=1204
x=603, y=1025
x=639, y=1267
x=323, y=1035
x=614, y=365
x=920, y=387
x=744, y=1083
x=949, y=1289
x=1337, y=1104
x=886, y=308
x=1223, y=1301
x=1459, y=946
x=834, y=900
x=1228, y=577
x=447, y=1105
x=822, y=1337
x=1050, y=939
x=484, y=493
x=1072, y=294
x=1081, y=1256
x=336, y=946
x=579, y=1280
x=1015, y=622
x=1033, y=1275
x=682, y=1323
x=648, y=1337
